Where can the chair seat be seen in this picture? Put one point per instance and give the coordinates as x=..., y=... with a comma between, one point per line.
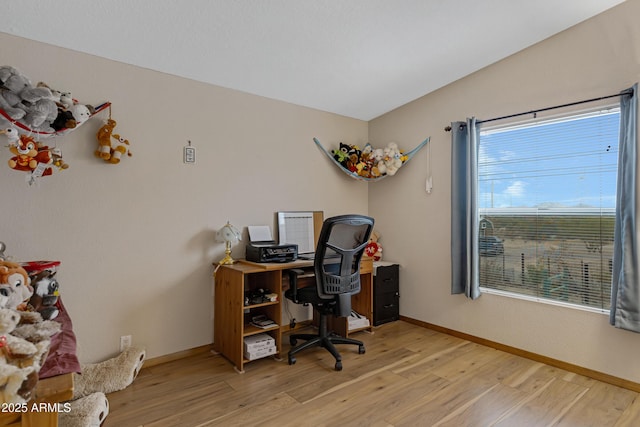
x=307, y=295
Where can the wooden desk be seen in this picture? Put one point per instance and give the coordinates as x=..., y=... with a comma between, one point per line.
x=230, y=323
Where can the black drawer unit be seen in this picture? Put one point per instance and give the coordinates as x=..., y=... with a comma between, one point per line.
x=386, y=294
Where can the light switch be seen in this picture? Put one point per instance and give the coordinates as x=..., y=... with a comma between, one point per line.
x=189, y=154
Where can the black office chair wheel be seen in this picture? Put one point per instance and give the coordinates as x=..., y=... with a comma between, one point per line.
x=361, y=349
x=338, y=366
x=293, y=341
x=292, y=360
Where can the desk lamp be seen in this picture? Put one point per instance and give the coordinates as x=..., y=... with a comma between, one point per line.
x=228, y=234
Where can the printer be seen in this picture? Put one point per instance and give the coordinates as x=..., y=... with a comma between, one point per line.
x=268, y=250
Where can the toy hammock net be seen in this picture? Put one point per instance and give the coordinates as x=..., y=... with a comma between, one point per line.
x=25, y=129
x=405, y=156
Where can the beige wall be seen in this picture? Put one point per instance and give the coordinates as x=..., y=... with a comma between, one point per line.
x=136, y=240
x=598, y=57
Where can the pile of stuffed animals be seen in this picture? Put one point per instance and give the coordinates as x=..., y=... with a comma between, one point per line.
x=370, y=162
x=28, y=297
x=29, y=112
x=24, y=334
x=38, y=108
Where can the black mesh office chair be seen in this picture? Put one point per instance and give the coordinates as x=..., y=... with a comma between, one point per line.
x=337, y=275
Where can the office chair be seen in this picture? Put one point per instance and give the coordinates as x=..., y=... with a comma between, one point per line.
x=337, y=276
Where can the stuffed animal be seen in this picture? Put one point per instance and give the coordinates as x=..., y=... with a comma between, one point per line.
x=45, y=294
x=12, y=82
x=20, y=360
x=341, y=155
x=12, y=135
x=120, y=148
x=57, y=160
x=373, y=248
x=16, y=351
x=11, y=380
x=28, y=155
x=110, y=375
x=40, y=107
x=104, y=140
x=37, y=104
x=392, y=158
x=66, y=100
x=64, y=120
x=15, y=285
x=55, y=94
x=81, y=113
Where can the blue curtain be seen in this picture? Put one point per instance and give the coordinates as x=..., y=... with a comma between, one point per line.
x=465, y=138
x=625, y=280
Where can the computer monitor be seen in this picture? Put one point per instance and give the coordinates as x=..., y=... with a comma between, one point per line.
x=301, y=228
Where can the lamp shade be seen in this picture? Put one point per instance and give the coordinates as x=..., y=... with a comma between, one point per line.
x=228, y=233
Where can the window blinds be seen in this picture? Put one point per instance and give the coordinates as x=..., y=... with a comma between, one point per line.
x=547, y=194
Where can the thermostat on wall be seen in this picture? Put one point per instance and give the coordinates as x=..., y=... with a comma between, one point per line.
x=189, y=154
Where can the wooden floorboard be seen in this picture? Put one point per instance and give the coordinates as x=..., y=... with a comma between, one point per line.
x=409, y=376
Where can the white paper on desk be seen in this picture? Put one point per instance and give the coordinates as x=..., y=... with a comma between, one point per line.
x=260, y=233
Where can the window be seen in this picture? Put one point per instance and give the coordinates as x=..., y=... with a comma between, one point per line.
x=546, y=206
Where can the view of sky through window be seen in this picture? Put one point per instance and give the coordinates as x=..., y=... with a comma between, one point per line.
x=568, y=163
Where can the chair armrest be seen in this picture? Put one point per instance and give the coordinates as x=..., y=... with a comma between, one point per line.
x=293, y=282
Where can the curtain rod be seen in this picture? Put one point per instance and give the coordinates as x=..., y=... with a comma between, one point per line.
x=623, y=93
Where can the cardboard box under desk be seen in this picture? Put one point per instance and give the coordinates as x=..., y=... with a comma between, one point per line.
x=262, y=352
x=258, y=342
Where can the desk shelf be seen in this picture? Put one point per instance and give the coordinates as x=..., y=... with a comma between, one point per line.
x=249, y=329
x=262, y=304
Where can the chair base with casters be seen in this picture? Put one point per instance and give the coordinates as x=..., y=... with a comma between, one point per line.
x=324, y=338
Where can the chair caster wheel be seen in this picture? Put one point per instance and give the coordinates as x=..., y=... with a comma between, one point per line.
x=361, y=349
x=292, y=360
x=293, y=341
x=338, y=366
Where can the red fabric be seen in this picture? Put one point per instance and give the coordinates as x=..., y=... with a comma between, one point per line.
x=33, y=267
x=62, y=358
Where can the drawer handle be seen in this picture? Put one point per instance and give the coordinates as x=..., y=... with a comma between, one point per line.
x=389, y=305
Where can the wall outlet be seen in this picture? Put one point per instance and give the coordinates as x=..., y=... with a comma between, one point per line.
x=125, y=342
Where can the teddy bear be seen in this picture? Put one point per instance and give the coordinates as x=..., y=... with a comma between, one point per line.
x=81, y=113
x=20, y=360
x=341, y=154
x=15, y=350
x=104, y=139
x=12, y=379
x=64, y=120
x=392, y=158
x=15, y=284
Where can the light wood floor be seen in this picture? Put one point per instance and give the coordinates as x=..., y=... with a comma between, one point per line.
x=409, y=376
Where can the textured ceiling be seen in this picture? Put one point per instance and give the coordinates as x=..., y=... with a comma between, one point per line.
x=358, y=58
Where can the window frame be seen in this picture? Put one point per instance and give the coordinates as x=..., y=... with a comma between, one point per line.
x=481, y=212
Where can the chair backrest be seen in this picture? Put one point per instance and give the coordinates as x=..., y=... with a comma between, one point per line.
x=338, y=253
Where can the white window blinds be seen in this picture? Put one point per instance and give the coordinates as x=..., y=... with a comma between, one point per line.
x=546, y=197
